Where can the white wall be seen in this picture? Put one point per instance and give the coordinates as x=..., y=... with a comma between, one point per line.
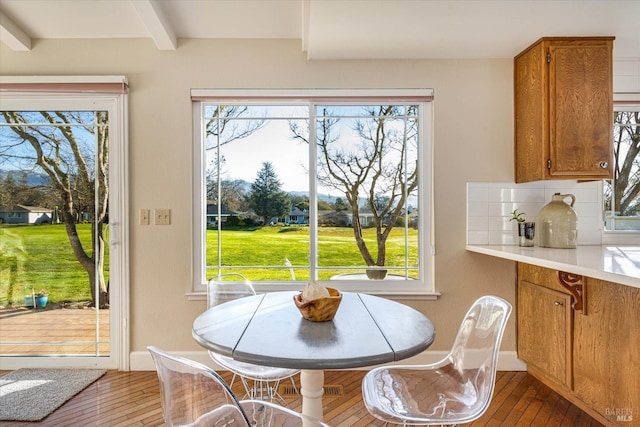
x=626, y=75
x=473, y=142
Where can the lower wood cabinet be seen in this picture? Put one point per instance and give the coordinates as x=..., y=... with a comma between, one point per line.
x=590, y=355
x=606, y=360
x=544, y=331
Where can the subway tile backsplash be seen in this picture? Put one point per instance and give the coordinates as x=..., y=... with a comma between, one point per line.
x=489, y=207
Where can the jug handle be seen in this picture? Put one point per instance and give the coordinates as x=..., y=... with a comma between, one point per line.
x=573, y=198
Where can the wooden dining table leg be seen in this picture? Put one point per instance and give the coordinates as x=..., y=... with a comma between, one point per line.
x=312, y=389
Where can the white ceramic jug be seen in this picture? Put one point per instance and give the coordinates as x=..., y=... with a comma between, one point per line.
x=557, y=223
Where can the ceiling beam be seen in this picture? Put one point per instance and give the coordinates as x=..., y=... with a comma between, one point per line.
x=157, y=24
x=12, y=35
x=306, y=16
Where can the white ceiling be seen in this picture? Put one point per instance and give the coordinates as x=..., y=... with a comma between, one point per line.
x=332, y=29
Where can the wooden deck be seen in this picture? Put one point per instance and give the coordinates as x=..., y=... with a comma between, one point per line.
x=129, y=399
x=53, y=331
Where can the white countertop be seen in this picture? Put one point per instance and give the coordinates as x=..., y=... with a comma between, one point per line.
x=619, y=264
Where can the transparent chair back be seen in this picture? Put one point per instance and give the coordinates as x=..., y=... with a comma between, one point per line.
x=227, y=287
x=192, y=394
x=266, y=380
x=458, y=388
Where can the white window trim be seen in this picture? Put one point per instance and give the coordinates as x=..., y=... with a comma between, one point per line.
x=424, y=289
x=117, y=106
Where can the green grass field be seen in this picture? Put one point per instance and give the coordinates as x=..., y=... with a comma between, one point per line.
x=40, y=257
x=271, y=245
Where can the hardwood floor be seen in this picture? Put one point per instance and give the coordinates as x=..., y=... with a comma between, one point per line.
x=130, y=399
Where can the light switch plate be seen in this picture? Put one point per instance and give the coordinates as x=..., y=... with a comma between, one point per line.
x=144, y=217
x=162, y=216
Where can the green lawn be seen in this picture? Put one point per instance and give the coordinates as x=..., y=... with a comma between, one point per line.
x=41, y=257
x=271, y=245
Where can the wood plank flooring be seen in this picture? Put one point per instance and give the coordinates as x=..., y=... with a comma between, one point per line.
x=129, y=399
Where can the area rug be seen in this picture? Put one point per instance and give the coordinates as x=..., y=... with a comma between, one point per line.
x=32, y=394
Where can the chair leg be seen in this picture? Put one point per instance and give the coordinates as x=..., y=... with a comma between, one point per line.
x=262, y=390
x=248, y=391
x=233, y=378
x=293, y=383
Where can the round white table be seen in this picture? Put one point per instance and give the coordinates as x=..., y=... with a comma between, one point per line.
x=268, y=329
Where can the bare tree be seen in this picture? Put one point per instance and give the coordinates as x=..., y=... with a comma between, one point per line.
x=378, y=169
x=225, y=124
x=626, y=144
x=74, y=170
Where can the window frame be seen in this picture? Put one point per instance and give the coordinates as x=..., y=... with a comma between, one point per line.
x=422, y=287
x=626, y=102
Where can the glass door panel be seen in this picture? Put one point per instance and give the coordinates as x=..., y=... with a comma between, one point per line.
x=54, y=260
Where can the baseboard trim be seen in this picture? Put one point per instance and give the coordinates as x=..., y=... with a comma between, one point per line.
x=141, y=360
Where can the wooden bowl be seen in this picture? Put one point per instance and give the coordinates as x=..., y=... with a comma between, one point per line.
x=321, y=309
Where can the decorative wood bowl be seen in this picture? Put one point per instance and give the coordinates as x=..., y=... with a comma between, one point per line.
x=321, y=309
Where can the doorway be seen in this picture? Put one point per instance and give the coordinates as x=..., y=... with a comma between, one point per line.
x=63, y=272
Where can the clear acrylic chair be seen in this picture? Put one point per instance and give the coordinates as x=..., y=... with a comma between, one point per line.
x=194, y=395
x=264, y=380
x=457, y=389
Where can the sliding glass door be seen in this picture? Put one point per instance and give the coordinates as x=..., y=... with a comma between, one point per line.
x=56, y=223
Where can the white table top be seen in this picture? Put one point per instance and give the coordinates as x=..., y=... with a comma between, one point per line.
x=269, y=330
x=618, y=264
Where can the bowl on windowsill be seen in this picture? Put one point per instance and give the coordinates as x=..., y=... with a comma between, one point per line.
x=320, y=309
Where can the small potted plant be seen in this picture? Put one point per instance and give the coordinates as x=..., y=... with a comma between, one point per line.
x=526, y=230
x=36, y=299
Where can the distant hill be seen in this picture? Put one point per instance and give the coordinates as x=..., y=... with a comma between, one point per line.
x=324, y=197
x=33, y=179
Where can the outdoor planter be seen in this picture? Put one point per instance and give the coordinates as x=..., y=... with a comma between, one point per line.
x=374, y=274
x=41, y=300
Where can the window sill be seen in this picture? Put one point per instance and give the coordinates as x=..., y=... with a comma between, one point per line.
x=412, y=296
x=630, y=237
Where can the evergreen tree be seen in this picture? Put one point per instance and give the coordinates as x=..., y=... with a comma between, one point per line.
x=340, y=205
x=266, y=197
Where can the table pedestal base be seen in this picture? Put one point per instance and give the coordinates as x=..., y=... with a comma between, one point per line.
x=312, y=389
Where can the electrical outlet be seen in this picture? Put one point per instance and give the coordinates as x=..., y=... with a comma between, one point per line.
x=144, y=216
x=162, y=216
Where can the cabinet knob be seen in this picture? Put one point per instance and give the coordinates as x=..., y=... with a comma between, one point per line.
x=604, y=164
x=558, y=303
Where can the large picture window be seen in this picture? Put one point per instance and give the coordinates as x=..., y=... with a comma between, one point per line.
x=326, y=188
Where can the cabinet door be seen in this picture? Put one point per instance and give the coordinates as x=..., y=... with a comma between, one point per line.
x=544, y=331
x=581, y=111
x=531, y=120
x=607, y=352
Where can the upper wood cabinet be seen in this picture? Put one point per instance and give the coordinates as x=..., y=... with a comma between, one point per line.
x=564, y=109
